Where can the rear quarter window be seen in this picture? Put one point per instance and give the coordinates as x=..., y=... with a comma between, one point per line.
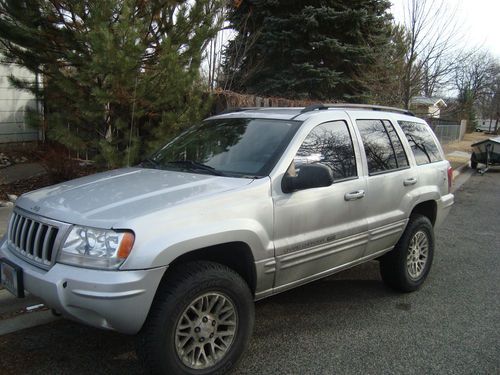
x=421, y=141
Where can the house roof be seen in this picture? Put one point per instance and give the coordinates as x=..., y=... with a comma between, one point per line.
x=424, y=100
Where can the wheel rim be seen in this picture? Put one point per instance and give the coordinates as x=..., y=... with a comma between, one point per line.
x=418, y=254
x=205, y=331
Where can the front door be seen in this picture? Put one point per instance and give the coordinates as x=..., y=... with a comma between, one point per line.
x=320, y=229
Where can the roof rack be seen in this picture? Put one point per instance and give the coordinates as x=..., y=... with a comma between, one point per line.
x=238, y=109
x=321, y=106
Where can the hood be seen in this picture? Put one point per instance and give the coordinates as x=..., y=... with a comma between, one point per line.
x=107, y=199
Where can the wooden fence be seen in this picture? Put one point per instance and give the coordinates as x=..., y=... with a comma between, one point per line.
x=228, y=99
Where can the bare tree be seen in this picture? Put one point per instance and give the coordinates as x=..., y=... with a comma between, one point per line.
x=480, y=81
x=476, y=82
x=473, y=79
x=433, y=39
x=213, y=57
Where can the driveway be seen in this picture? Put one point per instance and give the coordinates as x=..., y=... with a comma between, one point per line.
x=345, y=324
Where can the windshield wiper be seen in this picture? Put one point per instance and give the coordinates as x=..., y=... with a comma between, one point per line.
x=194, y=165
x=151, y=162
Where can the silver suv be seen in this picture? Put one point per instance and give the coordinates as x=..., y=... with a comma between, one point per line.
x=247, y=204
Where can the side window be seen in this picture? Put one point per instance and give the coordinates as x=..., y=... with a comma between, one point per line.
x=330, y=144
x=396, y=145
x=421, y=141
x=384, y=151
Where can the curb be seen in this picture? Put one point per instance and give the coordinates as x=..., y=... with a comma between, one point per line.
x=460, y=169
x=26, y=320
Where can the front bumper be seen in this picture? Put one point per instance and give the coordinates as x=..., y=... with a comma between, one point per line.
x=116, y=300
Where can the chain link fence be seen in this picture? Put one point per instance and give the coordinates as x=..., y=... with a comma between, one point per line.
x=448, y=130
x=447, y=133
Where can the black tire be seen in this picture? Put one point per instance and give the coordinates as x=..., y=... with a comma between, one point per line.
x=395, y=266
x=473, y=161
x=181, y=288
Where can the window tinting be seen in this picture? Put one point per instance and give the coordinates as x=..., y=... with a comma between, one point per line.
x=232, y=147
x=421, y=141
x=397, y=146
x=381, y=154
x=331, y=145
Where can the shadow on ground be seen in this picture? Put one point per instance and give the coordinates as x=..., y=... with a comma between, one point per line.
x=65, y=347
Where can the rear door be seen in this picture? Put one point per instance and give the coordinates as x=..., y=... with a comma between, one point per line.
x=390, y=182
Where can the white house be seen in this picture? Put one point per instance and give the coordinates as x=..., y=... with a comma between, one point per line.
x=427, y=107
x=13, y=106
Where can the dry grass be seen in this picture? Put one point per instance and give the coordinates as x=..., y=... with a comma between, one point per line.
x=464, y=146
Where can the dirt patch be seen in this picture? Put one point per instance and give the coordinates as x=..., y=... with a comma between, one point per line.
x=464, y=145
x=24, y=186
x=11, y=157
x=54, y=166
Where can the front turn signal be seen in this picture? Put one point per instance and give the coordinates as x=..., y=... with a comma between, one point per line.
x=126, y=245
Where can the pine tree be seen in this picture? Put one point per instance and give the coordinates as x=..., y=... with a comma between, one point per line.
x=304, y=48
x=382, y=81
x=120, y=76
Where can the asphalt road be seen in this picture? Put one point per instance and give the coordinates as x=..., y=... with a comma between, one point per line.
x=345, y=324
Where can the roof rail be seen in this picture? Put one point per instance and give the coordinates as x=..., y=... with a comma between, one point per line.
x=320, y=106
x=238, y=109
x=314, y=107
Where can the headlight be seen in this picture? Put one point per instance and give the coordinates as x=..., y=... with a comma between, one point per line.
x=96, y=248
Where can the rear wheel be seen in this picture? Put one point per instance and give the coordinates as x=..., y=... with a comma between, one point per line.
x=406, y=267
x=473, y=161
x=200, y=322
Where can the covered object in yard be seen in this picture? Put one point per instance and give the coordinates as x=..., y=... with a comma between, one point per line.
x=486, y=152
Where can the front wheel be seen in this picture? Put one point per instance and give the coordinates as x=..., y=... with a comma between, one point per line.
x=406, y=267
x=200, y=322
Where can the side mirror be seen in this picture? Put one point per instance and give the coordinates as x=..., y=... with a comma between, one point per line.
x=309, y=176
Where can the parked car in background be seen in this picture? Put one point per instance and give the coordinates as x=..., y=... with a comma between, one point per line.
x=245, y=205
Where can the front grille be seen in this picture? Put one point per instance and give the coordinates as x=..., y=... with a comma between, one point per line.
x=33, y=239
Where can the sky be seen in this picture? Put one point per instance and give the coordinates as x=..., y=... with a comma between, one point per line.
x=479, y=19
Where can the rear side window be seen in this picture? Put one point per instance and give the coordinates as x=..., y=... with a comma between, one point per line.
x=397, y=146
x=383, y=148
x=421, y=141
x=329, y=144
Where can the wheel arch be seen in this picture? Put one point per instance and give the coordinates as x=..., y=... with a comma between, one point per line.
x=427, y=208
x=236, y=255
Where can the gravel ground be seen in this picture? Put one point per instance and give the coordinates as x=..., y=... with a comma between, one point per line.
x=345, y=324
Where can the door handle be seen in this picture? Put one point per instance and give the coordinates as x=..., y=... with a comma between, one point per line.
x=352, y=196
x=410, y=181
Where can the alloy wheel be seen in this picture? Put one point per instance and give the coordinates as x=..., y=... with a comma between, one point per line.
x=206, y=330
x=418, y=254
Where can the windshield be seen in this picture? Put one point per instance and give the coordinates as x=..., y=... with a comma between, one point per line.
x=238, y=147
